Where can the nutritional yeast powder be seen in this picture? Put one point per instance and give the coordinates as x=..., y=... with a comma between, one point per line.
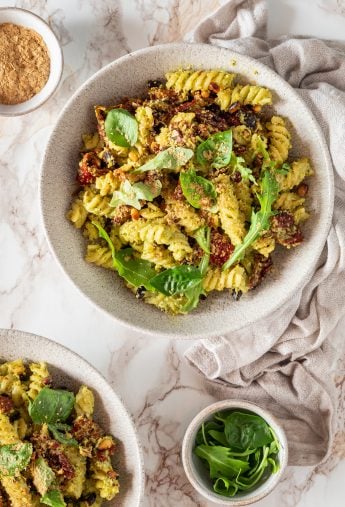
x=24, y=63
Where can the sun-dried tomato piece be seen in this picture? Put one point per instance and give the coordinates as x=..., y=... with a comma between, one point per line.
x=89, y=168
x=53, y=452
x=262, y=266
x=285, y=231
x=221, y=248
x=6, y=404
x=302, y=189
x=86, y=431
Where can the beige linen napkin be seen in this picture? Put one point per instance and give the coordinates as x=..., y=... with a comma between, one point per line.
x=285, y=361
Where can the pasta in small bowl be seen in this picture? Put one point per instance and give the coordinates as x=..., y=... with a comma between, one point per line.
x=192, y=187
x=64, y=440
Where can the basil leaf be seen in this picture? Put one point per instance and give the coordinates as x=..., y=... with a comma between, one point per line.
x=121, y=128
x=246, y=431
x=138, y=272
x=172, y=158
x=220, y=461
x=51, y=406
x=201, y=237
x=216, y=150
x=198, y=191
x=130, y=194
x=14, y=458
x=43, y=476
x=260, y=221
x=176, y=280
x=53, y=498
x=61, y=437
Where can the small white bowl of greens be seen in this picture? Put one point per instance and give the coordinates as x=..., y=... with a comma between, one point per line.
x=234, y=452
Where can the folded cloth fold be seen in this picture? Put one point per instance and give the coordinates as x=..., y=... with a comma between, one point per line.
x=285, y=361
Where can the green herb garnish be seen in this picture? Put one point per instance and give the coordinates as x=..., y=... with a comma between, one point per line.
x=176, y=280
x=239, y=164
x=171, y=159
x=132, y=194
x=193, y=294
x=239, y=450
x=53, y=498
x=51, y=406
x=59, y=433
x=14, y=458
x=216, y=150
x=43, y=476
x=198, y=191
x=121, y=128
x=260, y=221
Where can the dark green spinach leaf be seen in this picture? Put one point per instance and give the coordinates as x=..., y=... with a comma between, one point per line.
x=138, y=272
x=216, y=150
x=246, y=431
x=121, y=127
x=198, y=191
x=220, y=461
x=51, y=406
x=14, y=458
x=176, y=280
x=59, y=433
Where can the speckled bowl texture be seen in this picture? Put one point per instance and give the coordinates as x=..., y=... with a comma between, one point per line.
x=219, y=313
x=70, y=370
x=196, y=470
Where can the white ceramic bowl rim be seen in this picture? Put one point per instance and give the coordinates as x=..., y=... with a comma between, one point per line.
x=56, y=60
x=188, y=444
x=176, y=327
x=43, y=344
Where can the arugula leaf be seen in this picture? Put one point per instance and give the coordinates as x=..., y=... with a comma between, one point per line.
x=284, y=169
x=260, y=221
x=130, y=194
x=53, y=498
x=172, y=158
x=43, y=476
x=193, y=295
x=225, y=487
x=216, y=150
x=51, y=406
x=220, y=461
x=198, y=191
x=61, y=437
x=201, y=237
x=246, y=431
x=176, y=280
x=121, y=127
x=14, y=458
x=239, y=164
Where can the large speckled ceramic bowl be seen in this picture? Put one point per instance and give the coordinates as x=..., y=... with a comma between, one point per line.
x=70, y=370
x=219, y=313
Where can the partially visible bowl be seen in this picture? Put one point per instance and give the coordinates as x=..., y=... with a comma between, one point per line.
x=195, y=469
x=70, y=370
x=128, y=76
x=28, y=19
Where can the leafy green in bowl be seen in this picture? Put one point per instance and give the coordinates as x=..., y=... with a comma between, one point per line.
x=238, y=450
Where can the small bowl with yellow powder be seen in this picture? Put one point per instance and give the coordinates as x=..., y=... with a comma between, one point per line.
x=31, y=61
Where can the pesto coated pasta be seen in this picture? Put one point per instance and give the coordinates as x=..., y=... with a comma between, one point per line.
x=187, y=190
x=52, y=452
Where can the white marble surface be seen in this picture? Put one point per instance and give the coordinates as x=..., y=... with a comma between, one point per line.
x=160, y=389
